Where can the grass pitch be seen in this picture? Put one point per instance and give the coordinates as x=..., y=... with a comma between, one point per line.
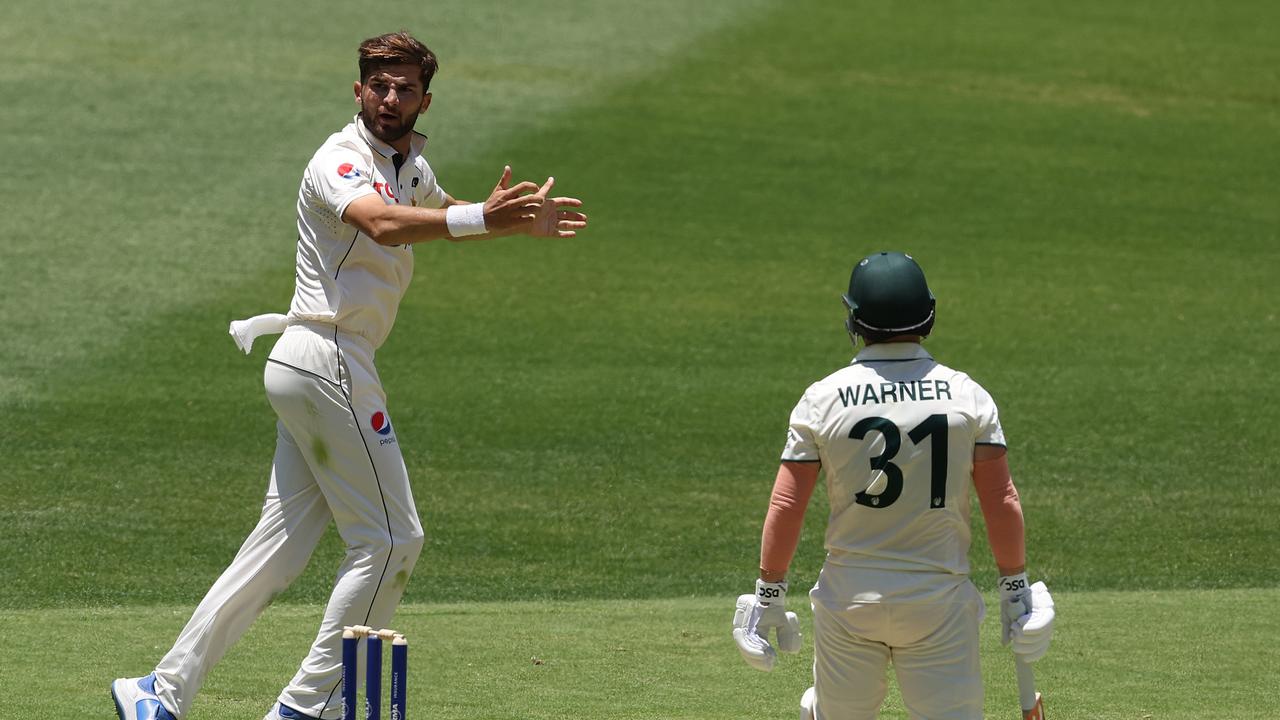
x=644, y=659
x=596, y=422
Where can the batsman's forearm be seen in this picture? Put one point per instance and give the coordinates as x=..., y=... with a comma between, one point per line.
x=1002, y=510
x=792, y=490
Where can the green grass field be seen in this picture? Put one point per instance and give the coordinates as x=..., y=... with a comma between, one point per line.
x=643, y=659
x=592, y=426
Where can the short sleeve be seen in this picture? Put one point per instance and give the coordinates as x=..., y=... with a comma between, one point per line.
x=989, y=431
x=802, y=443
x=338, y=176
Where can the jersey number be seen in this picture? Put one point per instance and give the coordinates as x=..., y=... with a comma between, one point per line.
x=934, y=426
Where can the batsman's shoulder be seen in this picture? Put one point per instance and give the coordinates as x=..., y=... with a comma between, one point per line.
x=822, y=393
x=838, y=378
x=957, y=378
x=973, y=387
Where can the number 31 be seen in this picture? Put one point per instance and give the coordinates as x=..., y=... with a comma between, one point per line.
x=934, y=426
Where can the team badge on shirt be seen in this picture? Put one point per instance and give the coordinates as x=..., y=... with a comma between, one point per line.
x=348, y=171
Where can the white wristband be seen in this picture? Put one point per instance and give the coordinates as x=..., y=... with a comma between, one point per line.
x=771, y=592
x=465, y=220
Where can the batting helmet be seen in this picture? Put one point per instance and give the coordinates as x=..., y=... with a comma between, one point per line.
x=888, y=296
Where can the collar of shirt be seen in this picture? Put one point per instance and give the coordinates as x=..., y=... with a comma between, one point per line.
x=893, y=352
x=417, y=142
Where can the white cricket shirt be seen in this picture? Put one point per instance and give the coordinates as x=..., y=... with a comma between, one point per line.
x=895, y=432
x=343, y=276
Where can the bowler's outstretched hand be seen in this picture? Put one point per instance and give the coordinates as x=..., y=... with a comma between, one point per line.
x=553, y=220
x=511, y=209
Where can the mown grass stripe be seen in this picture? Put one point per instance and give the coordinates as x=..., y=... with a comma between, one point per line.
x=1172, y=655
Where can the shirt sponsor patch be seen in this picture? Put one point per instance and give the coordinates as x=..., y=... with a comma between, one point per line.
x=348, y=171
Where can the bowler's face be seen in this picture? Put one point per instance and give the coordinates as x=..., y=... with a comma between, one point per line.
x=390, y=101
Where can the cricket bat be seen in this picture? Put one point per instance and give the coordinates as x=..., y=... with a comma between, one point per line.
x=1032, y=705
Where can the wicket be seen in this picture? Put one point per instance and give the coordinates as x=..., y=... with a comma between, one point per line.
x=373, y=671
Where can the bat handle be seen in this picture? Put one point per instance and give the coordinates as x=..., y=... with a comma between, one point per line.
x=1027, y=695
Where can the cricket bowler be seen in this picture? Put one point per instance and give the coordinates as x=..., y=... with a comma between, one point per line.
x=901, y=438
x=366, y=197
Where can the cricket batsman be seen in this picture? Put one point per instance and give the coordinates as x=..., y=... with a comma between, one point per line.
x=901, y=438
x=366, y=198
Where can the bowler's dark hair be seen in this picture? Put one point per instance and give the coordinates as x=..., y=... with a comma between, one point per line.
x=398, y=48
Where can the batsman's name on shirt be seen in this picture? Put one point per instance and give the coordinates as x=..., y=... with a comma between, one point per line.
x=893, y=392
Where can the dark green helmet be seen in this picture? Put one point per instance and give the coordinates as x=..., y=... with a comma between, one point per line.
x=888, y=296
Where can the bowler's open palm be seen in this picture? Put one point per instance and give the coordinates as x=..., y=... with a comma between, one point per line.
x=553, y=220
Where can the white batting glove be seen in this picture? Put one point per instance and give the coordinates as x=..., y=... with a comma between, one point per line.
x=1032, y=633
x=1026, y=617
x=755, y=616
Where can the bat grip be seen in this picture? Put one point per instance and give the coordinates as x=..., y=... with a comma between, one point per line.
x=1026, y=684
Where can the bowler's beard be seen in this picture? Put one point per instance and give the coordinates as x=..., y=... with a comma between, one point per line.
x=385, y=132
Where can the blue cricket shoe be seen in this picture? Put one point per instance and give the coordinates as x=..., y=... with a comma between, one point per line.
x=280, y=711
x=136, y=699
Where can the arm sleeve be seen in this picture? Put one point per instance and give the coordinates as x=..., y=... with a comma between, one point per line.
x=802, y=433
x=337, y=176
x=1002, y=511
x=791, y=492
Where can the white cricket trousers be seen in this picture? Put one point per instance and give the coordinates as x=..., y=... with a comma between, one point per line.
x=336, y=458
x=932, y=644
